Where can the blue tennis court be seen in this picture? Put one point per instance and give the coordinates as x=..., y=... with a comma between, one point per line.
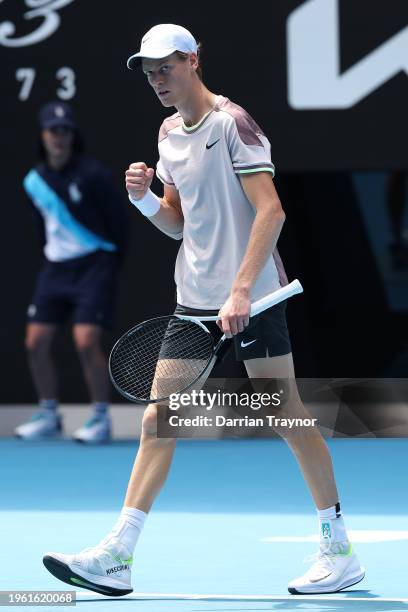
x=231, y=527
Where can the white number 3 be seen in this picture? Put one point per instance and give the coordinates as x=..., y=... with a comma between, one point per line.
x=68, y=88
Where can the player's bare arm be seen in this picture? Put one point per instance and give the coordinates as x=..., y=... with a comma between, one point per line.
x=269, y=219
x=169, y=217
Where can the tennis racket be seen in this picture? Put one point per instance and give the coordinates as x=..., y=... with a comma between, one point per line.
x=169, y=354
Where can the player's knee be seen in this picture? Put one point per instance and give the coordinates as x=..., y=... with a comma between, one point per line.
x=150, y=430
x=295, y=424
x=302, y=436
x=149, y=422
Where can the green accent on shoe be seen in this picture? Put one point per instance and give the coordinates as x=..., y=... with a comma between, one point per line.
x=89, y=585
x=348, y=553
x=122, y=561
x=80, y=582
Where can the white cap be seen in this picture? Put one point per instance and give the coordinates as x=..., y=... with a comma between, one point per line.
x=163, y=40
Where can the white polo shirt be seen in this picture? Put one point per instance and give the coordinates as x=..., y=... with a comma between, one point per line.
x=204, y=162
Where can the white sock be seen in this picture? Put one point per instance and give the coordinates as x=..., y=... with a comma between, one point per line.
x=48, y=404
x=332, y=527
x=128, y=527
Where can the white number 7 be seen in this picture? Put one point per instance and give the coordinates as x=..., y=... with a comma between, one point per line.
x=26, y=76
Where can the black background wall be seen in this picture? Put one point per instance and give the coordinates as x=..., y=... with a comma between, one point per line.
x=343, y=325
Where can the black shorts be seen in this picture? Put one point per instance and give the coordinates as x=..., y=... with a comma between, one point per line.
x=83, y=287
x=267, y=334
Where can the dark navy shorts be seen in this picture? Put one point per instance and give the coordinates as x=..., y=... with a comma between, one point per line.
x=266, y=335
x=84, y=288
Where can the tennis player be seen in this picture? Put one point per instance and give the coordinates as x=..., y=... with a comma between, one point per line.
x=81, y=223
x=219, y=197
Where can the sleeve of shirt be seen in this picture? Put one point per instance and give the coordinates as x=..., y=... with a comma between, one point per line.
x=162, y=171
x=249, y=148
x=163, y=174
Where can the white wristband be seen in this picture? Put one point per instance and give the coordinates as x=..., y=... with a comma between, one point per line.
x=149, y=205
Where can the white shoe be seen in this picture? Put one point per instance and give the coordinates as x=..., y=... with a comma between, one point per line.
x=331, y=572
x=95, y=431
x=42, y=424
x=104, y=568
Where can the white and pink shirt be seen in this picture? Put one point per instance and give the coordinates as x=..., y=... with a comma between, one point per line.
x=204, y=162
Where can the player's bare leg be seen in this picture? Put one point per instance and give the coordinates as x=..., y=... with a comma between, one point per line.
x=111, y=560
x=155, y=454
x=151, y=465
x=38, y=341
x=106, y=568
x=307, y=444
x=337, y=566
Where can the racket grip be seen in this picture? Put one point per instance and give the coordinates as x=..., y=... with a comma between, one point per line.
x=263, y=304
x=275, y=297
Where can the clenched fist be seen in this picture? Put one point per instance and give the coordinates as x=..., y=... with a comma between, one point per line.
x=138, y=180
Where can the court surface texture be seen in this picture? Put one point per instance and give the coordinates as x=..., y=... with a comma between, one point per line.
x=231, y=527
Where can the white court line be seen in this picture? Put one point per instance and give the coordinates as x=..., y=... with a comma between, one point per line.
x=214, y=597
x=356, y=536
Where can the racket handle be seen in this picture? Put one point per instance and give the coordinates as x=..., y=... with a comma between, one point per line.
x=263, y=304
x=275, y=297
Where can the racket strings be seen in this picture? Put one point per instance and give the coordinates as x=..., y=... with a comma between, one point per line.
x=160, y=357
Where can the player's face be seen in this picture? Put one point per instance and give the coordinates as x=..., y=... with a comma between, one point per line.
x=58, y=141
x=170, y=77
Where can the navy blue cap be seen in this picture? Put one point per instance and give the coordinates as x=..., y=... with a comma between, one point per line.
x=57, y=114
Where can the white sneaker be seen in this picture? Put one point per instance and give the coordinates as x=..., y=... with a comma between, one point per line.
x=331, y=572
x=104, y=568
x=95, y=431
x=42, y=424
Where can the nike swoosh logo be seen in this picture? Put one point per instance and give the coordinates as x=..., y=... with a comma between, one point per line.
x=207, y=146
x=245, y=344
